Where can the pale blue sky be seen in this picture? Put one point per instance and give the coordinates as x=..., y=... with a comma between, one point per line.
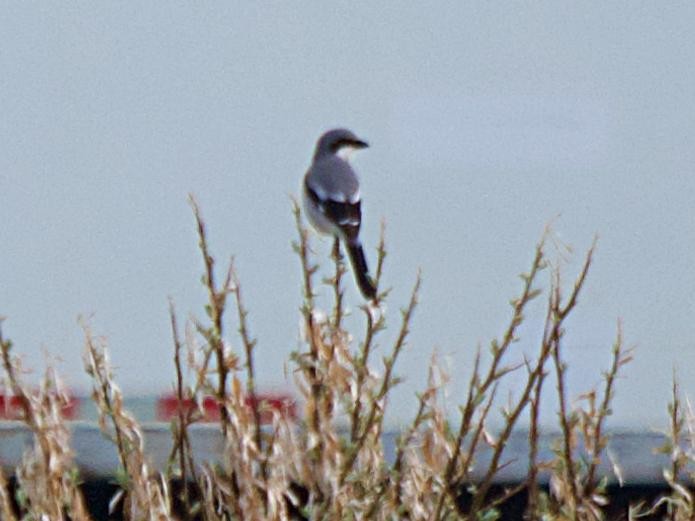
x=487, y=120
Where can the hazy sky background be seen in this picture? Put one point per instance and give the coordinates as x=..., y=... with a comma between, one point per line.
x=487, y=120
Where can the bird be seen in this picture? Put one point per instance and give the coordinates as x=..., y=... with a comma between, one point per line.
x=332, y=199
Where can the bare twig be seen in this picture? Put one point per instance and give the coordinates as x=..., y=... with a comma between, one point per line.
x=596, y=442
x=216, y=303
x=249, y=345
x=386, y=384
x=533, y=490
x=337, y=287
x=374, y=326
x=310, y=368
x=47, y=475
x=480, y=386
x=182, y=443
x=559, y=313
x=511, y=418
x=146, y=496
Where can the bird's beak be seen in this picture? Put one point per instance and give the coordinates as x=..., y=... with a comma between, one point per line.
x=358, y=143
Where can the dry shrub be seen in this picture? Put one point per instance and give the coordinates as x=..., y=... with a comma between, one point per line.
x=333, y=464
x=144, y=494
x=47, y=476
x=679, y=446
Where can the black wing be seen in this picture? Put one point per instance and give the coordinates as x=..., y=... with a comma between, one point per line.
x=345, y=215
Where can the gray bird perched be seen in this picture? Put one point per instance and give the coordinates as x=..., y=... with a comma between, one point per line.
x=332, y=202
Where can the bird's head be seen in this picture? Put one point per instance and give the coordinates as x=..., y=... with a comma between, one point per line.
x=339, y=141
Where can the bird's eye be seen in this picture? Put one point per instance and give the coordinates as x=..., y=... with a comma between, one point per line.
x=339, y=144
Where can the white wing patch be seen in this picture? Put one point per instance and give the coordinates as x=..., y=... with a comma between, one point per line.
x=355, y=198
x=349, y=221
x=319, y=191
x=338, y=197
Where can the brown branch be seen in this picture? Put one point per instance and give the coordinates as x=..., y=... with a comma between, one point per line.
x=97, y=368
x=249, y=345
x=361, y=366
x=507, y=494
x=533, y=490
x=214, y=335
x=478, y=432
x=596, y=443
x=181, y=441
x=310, y=369
x=510, y=421
x=403, y=443
x=373, y=327
x=479, y=386
x=381, y=257
x=216, y=303
x=386, y=383
x=559, y=313
x=337, y=287
x=567, y=430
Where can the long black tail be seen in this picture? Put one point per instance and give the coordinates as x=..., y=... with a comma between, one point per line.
x=359, y=267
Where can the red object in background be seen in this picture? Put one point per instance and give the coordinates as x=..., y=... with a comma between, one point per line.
x=168, y=407
x=12, y=408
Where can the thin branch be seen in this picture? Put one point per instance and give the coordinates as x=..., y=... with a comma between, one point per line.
x=596, y=443
x=481, y=386
x=181, y=428
x=310, y=369
x=337, y=285
x=249, y=345
x=510, y=421
x=216, y=303
x=386, y=383
x=99, y=370
x=533, y=490
x=559, y=313
x=373, y=327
